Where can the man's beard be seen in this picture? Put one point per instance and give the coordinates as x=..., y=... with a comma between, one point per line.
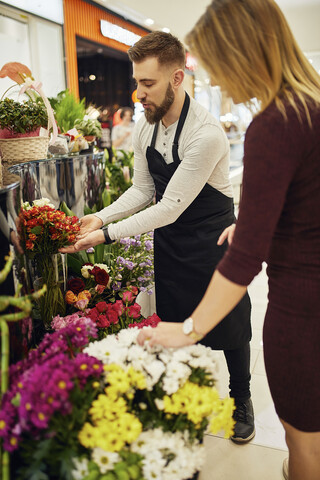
x=154, y=116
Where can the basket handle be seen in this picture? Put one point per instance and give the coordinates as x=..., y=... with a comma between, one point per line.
x=37, y=86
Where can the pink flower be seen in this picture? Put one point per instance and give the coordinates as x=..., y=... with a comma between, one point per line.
x=81, y=304
x=127, y=297
x=100, y=288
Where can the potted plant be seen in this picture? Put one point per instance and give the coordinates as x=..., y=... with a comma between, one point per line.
x=22, y=119
x=90, y=128
x=20, y=122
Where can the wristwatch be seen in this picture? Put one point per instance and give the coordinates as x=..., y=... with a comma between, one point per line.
x=107, y=239
x=188, y=329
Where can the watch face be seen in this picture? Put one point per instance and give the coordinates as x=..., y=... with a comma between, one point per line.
x=188, y=326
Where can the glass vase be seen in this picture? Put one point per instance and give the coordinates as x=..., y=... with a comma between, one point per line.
x=51, y=271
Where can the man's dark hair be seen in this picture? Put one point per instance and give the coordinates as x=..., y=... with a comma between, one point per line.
x=164, y=46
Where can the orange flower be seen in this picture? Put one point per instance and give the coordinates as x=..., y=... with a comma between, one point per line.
x=16, y=71
x=70, y=297
x=29, y=245
x=84, y=294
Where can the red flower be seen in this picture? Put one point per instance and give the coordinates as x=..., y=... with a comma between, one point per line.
x=118, y=307
x=100, y=276
x=101, y=307
x=29, y=245
x=76, y=285
x=113, y=317
x=127, y=297
x=134, y=310
x=103, y=322
x=134, y=290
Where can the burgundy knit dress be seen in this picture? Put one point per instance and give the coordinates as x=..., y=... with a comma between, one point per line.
x=279, y=222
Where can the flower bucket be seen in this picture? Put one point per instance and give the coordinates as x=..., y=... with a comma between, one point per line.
x=49, y=270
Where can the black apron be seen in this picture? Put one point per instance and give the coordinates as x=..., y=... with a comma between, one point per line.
x=186, y=252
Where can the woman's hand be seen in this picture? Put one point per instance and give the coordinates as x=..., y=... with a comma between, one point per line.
x=227, y=234
x=166, y=334
x=89, y=240
x=88, y=224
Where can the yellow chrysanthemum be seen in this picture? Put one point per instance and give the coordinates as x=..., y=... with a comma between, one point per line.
x=87, y=436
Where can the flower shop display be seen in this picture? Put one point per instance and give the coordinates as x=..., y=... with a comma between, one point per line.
x=109, y=318
x=109, y=270
x=111, y=411
x=43, y=230
x=90, y=128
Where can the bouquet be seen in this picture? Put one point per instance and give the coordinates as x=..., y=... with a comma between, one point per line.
x=43, y=230
x=111, y=411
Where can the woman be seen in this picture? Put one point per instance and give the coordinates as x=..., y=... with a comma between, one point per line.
x=248, y=49
x=121, y=135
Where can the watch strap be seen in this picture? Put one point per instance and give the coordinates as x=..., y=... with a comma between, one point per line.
x=107, y=239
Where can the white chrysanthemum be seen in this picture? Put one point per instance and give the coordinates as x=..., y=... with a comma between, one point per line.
x=179, y=371
x=168, y=455
x=105, y=460
x=155, y=369
x=81, y=468
x=42, y=202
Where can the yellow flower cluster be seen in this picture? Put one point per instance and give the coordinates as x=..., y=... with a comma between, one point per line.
x=199, y=402
x=222, y=417
x=112, y=425
x=123, y=381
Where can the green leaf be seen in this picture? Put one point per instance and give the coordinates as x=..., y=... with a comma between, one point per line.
x=87, y=210
x=36, y=230
x=65, y=209
x=74, y=263
x=99, y=253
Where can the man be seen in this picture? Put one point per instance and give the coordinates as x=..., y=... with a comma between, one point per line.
x=181, y=154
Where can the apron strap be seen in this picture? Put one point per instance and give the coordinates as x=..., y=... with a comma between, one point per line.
x=154, y=136
x=182, y=119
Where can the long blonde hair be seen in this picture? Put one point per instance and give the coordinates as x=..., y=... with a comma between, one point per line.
x=248, y=48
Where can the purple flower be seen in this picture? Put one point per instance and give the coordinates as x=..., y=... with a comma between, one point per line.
x=90, y=250
x=148, y=245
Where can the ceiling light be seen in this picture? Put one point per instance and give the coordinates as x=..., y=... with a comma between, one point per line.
x=92, y=77
x=166, y=29
x=149, y=21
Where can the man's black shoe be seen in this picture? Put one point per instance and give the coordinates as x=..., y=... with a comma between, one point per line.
x=244, y=429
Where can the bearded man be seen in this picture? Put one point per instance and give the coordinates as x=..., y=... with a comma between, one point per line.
x=182, y=155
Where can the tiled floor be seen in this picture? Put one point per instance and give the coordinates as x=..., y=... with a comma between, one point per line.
x=262, y=458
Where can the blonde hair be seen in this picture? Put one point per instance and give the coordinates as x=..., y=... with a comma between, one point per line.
x=248, y=47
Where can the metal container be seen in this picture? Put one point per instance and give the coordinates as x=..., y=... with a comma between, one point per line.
x=77, y=180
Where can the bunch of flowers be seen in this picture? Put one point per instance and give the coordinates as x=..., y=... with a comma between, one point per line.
x=157, y=403
x=47, y=391
x=108, y=272
x=109, y=318
x=113, y=410
x=42, y=231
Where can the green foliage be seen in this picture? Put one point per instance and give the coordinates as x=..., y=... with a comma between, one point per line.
x=67, y=110
x=22, y=117
x=89, y=127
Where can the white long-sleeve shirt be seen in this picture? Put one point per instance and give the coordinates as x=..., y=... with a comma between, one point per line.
x=204, y=155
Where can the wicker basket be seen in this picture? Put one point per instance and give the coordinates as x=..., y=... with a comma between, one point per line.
x=25, y=149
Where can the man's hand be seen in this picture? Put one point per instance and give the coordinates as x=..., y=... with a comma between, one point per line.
x=166, y=334
x=88, y=224
x=90, y=240
x=227, y=234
